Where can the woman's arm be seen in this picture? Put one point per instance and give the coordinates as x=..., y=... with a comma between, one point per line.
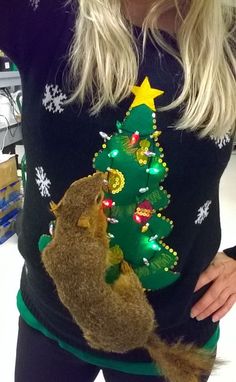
x=231, y=252
x=221, y=295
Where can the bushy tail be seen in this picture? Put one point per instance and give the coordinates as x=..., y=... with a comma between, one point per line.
x=180, y=362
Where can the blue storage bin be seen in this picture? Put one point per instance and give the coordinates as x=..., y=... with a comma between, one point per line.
x=7, y=228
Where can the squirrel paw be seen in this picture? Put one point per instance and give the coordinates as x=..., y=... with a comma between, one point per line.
x=126, y=268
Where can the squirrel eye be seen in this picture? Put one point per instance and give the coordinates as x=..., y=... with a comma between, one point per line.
x=99, y=198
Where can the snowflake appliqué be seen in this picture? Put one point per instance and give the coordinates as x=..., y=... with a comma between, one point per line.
x=43, y=182
x=34, y=4
x=53, y=99
x=203, y=212
x=221, y=142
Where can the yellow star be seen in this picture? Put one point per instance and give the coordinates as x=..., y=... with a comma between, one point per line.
x=144, y=94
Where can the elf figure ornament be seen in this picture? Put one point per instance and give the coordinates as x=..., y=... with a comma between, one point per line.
x=134, y=198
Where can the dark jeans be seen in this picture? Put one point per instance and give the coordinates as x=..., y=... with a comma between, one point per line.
x=39, y=359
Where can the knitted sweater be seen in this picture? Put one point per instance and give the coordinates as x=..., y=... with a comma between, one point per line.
x=60, y=142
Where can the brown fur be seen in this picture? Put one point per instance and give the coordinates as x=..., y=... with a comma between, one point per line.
x=113, y=318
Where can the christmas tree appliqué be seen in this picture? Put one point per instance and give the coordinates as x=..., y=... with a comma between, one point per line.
x=53, y=99
x=43, y=182
x=134, y=200
x=203, y=212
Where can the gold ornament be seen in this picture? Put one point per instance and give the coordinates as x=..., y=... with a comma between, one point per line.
x=145, y=212
x=145, y=228
x=140, y=153
x=128, y=148
x=156, y=135
x=116, y=181
x=115, y=255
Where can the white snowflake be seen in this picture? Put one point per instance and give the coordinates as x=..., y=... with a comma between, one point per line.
x=203, y=212
x=43, y=182
x=53, y=99
x=34, y=4
x=221, y=142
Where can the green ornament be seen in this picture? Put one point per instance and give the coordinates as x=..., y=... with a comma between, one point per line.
x=119, y=126
x=113, y=153
x=43, y=242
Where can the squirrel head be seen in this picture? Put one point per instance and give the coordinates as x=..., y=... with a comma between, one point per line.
x=81, y=205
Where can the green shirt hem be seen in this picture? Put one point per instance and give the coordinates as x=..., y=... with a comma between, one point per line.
x=138, y=368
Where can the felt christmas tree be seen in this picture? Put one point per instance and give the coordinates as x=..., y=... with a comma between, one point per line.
x=135, y=200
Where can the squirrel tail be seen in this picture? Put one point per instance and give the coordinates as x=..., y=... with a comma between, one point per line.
x=180, y=362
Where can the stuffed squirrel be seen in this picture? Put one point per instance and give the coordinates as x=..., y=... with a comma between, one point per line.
x=113, y=317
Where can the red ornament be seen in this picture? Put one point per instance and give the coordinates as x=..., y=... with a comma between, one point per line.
x=135, y=138
x=108, y=203
x=143, y=212
x=137, y=219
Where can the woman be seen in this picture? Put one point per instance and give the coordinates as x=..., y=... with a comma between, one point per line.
x=84, y=66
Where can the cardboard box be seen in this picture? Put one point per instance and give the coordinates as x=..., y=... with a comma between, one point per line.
x=8, y=170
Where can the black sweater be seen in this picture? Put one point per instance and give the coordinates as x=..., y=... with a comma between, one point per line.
x=60, y=143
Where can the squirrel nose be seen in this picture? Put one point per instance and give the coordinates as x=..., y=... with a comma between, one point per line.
x=105, y=185
x=103, y=177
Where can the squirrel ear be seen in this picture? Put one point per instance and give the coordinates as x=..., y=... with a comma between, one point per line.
x=83, y=221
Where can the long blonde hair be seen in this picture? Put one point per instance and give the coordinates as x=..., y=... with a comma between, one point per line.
x=104, y=59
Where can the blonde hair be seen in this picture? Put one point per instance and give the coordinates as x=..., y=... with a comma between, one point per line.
x=104, y=59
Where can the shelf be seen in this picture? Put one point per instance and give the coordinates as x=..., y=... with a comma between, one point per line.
x=12, y=122
x=14, y=137
x=9, y=79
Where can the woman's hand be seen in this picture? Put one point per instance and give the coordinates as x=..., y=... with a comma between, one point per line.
x=221, y=296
